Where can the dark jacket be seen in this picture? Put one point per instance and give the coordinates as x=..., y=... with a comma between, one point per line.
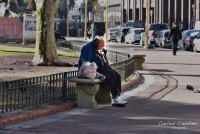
x=175, y=33
x=88, y=53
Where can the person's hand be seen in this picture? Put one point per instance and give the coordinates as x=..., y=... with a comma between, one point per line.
x=100, y=76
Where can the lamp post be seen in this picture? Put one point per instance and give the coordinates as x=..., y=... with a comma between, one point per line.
x=151, y=14
x=147, y=25
x=68, y=2
x=92, y=24
x=193, y=16
x=106, y=21
x=85, y=28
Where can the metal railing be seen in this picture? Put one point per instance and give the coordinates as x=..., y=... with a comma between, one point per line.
x=124, y=68
x=35, y=91
x=25, y=93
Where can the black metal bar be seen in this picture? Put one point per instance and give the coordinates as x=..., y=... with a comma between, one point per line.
x=36, y=89
x=3, y=93
x=57, y=90
x=27, y=97
x=64, y=86
x=10, y=87
x=6, y=96
x=42, y=90
x=29, y=91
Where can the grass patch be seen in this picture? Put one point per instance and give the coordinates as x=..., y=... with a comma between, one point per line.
x=17, y=51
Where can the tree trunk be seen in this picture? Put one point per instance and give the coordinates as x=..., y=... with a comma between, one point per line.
x=45, y=49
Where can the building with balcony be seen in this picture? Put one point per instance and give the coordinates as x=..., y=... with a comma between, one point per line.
x=114, y=12
x=184, y=12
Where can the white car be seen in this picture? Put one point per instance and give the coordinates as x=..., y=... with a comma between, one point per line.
x=196, y=44
x=112, y=34
x=133, y=35
x=153, y=29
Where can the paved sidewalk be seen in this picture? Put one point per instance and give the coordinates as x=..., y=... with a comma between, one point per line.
x=146, y=113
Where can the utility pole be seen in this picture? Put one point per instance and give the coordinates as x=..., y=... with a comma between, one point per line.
x=92, y=24
x=94, y=6
x=106, y=21
x=147, y=25
x=68, y=2
x=85, y=29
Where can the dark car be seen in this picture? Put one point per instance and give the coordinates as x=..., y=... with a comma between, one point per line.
x=188, y=36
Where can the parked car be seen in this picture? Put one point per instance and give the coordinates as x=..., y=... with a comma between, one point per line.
x=133, y=35
x=123, y=32
x=188, y=36
x=112, y=34
x=196, y=43
x=154, y=29
x=162, y=39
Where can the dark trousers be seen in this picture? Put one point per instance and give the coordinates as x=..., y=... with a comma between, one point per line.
x=174, y=47
x=113, y=79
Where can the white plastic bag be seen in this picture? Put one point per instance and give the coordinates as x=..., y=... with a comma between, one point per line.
x=88, y=70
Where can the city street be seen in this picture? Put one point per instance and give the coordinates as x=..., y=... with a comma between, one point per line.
x=159, y=104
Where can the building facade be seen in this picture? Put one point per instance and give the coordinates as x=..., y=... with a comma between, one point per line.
x=184, y=12
x=114, y=12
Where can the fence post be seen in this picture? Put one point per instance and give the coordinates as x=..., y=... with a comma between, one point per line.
x=126, y=68
x=64, y=86
x=116, y=57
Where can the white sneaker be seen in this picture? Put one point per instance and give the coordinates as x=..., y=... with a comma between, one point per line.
x=119, y=100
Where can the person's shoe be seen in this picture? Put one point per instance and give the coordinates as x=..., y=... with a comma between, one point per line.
x=119, y=100
x=124, y=101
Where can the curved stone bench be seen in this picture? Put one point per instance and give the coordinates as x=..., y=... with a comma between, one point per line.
x=90, y=92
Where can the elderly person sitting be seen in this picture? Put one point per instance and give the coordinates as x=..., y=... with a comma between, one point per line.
x=94, y=52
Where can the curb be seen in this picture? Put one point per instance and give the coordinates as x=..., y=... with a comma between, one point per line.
x=131, y=81
x=30, y=115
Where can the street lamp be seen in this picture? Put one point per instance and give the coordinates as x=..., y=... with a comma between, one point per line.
x=68, y=3
x=106, y=21
x=151, y=14
x=147, y=25
x=193, y=15
x=85, y=29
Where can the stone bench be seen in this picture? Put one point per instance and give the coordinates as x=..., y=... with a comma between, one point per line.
x=138, y=61
x=90, y=92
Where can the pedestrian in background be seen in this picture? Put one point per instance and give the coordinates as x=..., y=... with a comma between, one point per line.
x=175, y=35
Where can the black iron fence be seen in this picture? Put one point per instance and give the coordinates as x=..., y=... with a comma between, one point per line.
x=35, y=91
x=24, y=93
x=124, y=68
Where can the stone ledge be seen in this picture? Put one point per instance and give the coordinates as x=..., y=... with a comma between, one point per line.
x=131, y=81
x=30, y=115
